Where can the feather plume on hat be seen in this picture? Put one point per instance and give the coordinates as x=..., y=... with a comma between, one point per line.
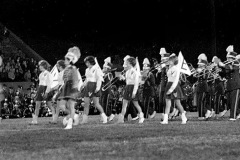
x=125, y=60
x=229, y=49
x=214, y=58
x=202, y=57
x=230, y=52
x=126, y=57
x=107, y=62
x=73, y=54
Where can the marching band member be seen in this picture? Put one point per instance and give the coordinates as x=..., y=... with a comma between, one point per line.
x=148, y=90
x=173, y=92
x=164, y=79
x=211, y=92
x=202, y=87
x=69, y=90
x=233, y=82
x=130, y=108
x=131, y=90
x=105, y=94
x=43, y=88
x=92, y=85
x=60, y=66
x=218, y=85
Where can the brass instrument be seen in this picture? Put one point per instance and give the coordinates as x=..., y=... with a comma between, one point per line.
x=157, y=67
x=113, y=81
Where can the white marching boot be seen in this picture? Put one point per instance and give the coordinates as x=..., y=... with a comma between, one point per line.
x=76, y=119
x=213, y=114
x=141, y=117
x=34, y=121
x=69, y=124
x=208, y=114
x=184, y=118
x=104, y=118
x=165, y=119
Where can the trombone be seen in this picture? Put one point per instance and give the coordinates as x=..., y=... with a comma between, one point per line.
x=113, y=81
x=157, y=67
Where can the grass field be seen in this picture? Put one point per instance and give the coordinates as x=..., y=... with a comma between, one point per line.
x=214, y=139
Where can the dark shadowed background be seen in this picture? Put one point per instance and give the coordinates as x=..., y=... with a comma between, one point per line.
x=140, y=28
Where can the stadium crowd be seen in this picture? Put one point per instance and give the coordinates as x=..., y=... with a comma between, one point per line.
x=16, y=67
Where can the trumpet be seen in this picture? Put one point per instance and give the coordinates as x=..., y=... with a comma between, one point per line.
x=232, y=61
x=113, y=81
x=215, y=78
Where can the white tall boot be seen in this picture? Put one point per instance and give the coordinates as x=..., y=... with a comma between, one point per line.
x=165, y=119
x=69, y=124
x=207, y=115
x=34, y=119
x=184, y=118
x=213, y=114
x=104, y=117
x=76, y=119
x=85, y=119
x=141, y=117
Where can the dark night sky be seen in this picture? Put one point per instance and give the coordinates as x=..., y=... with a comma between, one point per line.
x=175, y=24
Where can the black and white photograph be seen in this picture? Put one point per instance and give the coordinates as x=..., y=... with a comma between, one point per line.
x=119, y=79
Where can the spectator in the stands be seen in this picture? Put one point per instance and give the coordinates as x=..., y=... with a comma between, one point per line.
x=21, y=73
x=34, y=76
x=10, y=94
x=20, y=91
x=7, y=67
x=32, y=65
x=5, y=90
x=27, y=76
x=24, y=66
x=17, y=75
x=4, y=75
x=11, y=73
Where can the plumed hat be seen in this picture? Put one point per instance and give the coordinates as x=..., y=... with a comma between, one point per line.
x=202, y=59
x=230, y=52
x=73, y=54
x=146, y=63
x=202, y=56
x=125, y=60
x=107, y=63
x=164, y=54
